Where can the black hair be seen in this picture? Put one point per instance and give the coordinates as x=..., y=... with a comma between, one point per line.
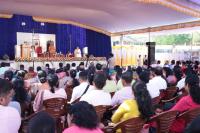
x=83, y=75
x=98, y=66
x=60, y=65
x=90, y=76
x=106, y=71
x=73, y=64
x=5, y=87
x=84, y=115
x=21, y=74
x=168, y=71
x=158, y=62
x=42, y=122
x=39, y=68
x=127, y=77
x=192, y=80
x=75, y=82
x=111, y=55
x=47, y=65
x=139, y=70
x=145, y=76
x=173, y=62
x=53, y=82
x=99, y=80
x=158, y=71
x=20, y=92
x=42, y=75
x=67, y=66
x=8, y=75
x=143, y=99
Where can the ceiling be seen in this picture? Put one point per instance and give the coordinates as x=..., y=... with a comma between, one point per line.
x=109, y=15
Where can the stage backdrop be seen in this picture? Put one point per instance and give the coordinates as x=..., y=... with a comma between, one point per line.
x=67, y=36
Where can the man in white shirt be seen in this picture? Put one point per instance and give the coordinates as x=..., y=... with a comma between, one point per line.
x=78, y=91
x=111, y=61
x=98, y=96
x=157, y=83
x=126, y=92
x=10, y=119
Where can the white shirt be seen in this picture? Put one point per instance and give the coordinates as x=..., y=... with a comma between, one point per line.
x=181, y=83
x=111, y=62
x=10, y=120
x=122, y=95
x=97, y=97
x=78, y=91
x=155, y=85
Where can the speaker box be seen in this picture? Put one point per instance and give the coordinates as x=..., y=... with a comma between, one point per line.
x=151, y=52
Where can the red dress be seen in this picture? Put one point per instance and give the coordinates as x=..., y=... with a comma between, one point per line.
x=183, y=105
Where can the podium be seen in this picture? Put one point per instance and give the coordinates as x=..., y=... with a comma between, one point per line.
x=25, y=51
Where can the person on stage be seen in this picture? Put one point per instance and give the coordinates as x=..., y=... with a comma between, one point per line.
x=111, y=61
x=38, y=49
x=77, y=52
x=52, y=49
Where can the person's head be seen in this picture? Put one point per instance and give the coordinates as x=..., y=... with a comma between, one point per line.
x=99, y=80
x=53, y=82
x=167, y=72
x=158, y=71
x=42, y=122
x=67, y=66
x=60, y=65
x=73, y=64
x=21, y=74
x=20, y=92
x=158, y=62
x=8, y=75
x=145, y=76
x=39, y=68
x=172, y=62
x=72, y=73
x=83, y=76
x=111, y=55
x=139, y=56
x=178, y=63
x=42, y=75
x=83, y=115
x=127, y=78
x=21, y=67
x=98, y=66
x=143, y=99
x=47, y=66
x=192, y=85
x=90, y=76
x=6, y=92
x=30, y=69
x=77, y=47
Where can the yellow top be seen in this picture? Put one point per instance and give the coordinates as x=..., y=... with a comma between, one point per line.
x=128, y=109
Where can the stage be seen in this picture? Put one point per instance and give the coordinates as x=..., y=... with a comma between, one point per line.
x=54, y=61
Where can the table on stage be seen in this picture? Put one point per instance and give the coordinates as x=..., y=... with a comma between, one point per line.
x=54, y=61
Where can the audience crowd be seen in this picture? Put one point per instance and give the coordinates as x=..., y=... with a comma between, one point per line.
x=128, y=91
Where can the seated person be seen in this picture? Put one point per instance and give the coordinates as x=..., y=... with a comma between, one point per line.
x=82, y=118
x=53, y=92
x=131, y=108
x=31, y=74
x=41, y=122
x=126, y=92
x=193, y=127
x=101, y=97
x=77, y=52
x=111, y=85
x=9, y=117
x=187, y=102
x=83, y=88
x=157, y=83
x=52, y=49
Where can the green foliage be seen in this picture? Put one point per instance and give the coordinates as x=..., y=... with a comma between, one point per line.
x=174, y=39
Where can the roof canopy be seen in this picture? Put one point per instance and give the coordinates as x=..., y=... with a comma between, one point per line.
x=108, y=15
